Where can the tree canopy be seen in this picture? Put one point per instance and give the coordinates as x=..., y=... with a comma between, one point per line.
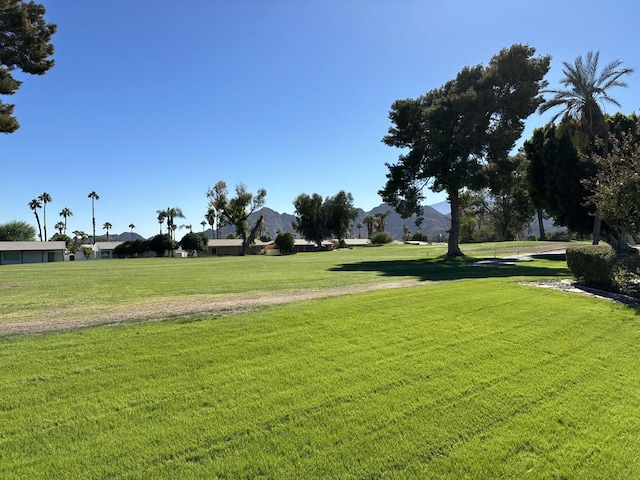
x=25, y=45
x=318, y=219
x=615, y=187
x=17, y=231
x=451, y=133
x=236, y=210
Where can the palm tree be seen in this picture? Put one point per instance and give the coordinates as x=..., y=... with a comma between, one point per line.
x=210, y=217
x=59, y=226
x=380, y=220
x=34, y=205
x=204, y=224
x=586, y=89
x=78, y=236
x=131, y=227
x=66, y=213
x=170, y=214
x=93, y=196
x=369, y=221
x=45, y=198
x=161, y=216
x=107, y=226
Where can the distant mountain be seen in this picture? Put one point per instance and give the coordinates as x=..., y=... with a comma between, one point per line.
x=434, y=222
x=122, y=237
x=442, y=207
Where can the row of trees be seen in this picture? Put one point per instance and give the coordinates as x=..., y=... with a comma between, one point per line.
x=458, y=139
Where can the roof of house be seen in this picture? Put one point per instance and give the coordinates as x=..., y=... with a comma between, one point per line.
x=31, y=246
x=106, y=245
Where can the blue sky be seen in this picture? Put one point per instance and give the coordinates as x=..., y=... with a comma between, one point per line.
x=150, y=103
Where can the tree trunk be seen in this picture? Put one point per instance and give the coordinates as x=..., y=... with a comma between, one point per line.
x=246, y=241
x=453, y=249
x=596, y=228
x=543, y=235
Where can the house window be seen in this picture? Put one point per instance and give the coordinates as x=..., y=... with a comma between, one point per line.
x=51, y=256
x=11, y=256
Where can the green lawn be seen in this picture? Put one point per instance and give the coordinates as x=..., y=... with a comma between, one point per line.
x=471, y=378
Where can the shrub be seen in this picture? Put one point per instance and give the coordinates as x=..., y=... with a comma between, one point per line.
x=419, y=237
x=594, y=265
x=285, y=241
x=380, y=238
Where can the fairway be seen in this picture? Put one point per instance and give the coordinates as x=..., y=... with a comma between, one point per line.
x=466, y=375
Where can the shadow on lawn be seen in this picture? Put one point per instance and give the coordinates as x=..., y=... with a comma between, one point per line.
x=444, y=268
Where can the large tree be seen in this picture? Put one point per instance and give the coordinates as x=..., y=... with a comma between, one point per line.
x=616, y=187
x=25, y=45
x=236, y=210
x=17, y=231
x=318, y=219
x=555, y=176
x=451, y=133
x=586, y=88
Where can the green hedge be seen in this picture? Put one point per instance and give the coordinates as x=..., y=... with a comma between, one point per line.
x=380, y=238
x=593, y=265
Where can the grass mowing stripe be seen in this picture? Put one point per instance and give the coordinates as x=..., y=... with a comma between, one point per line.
x=392, y=384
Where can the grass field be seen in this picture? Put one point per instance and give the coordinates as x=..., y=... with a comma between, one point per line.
x=477, y=377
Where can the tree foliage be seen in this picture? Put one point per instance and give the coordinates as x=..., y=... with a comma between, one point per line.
x=285, y=242
x=132, y=248
x=62, y=237
x=452, y=132
x=236, y=210
x=318, y=219
x=194, y=242
x=615, y=187
x=17, y=231
x=161, y=243
x=25, y=45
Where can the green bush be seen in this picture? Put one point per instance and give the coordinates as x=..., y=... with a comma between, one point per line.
x=380, y=238
x=593, y=265
x=285, y=242
x=419, y=237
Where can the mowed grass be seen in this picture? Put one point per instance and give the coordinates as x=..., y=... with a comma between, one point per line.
x=472, y=378
x=90, y=287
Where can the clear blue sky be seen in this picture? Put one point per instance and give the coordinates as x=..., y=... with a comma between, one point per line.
x=150, y=103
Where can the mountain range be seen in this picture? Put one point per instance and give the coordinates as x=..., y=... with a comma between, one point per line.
x=435, y=223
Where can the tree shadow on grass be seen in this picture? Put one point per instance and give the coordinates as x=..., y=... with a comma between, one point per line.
x=445, y=268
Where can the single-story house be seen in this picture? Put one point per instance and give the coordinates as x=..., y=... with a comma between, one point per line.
x=233, y=246
x=104, y=249
x=31, y=252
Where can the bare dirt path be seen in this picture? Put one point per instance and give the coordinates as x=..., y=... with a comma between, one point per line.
x=193, y=305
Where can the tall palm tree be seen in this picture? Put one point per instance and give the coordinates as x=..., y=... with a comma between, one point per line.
x=161, y=216
x=66, y=213
x=93, y=196
x=59, y=226
x=131, y=227
x=107, y=226
x=204, y=224
x=210, y=217
x=170, y=214
x=34, y=205
x=586, y=89
x=45, y=198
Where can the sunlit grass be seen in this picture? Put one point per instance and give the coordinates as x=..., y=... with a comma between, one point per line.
x=89, y=287
x=479, y=378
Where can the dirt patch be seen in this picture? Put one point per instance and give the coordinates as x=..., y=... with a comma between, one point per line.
x=194, y=305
